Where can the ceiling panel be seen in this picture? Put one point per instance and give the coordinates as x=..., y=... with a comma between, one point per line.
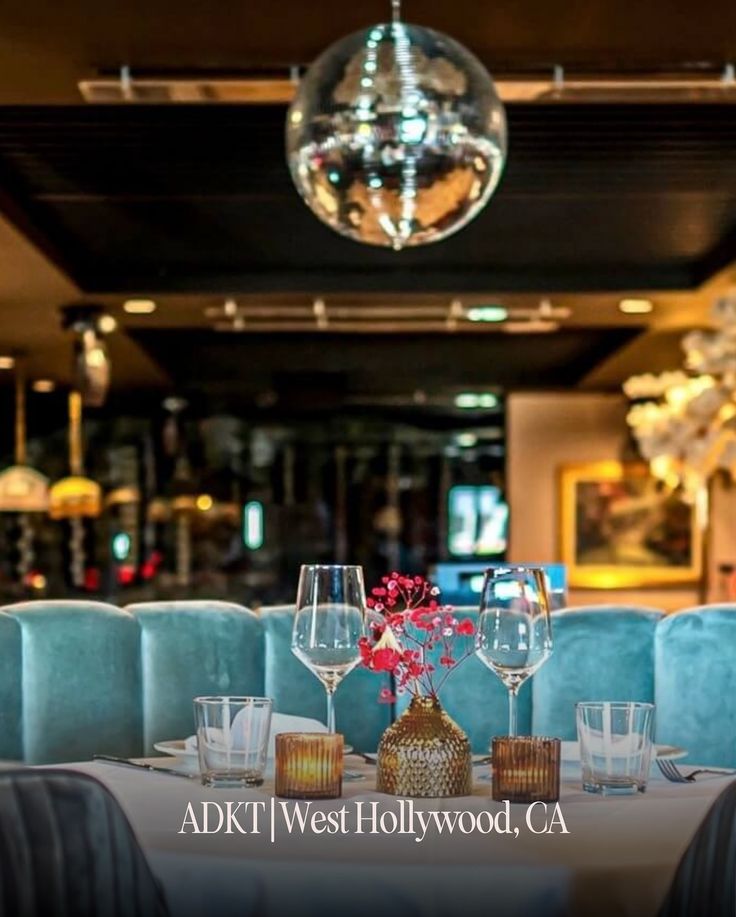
x=370, y=365
x=199, y=198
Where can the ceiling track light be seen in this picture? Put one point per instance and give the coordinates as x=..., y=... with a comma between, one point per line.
x=636, y=306
x=139, y=306
x=557, y=86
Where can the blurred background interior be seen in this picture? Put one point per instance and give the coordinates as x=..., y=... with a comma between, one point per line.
x=260, y=392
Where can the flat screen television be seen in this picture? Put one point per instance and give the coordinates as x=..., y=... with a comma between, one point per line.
x=478, y=521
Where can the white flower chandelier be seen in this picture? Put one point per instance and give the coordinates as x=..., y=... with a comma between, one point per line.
x=685, y=422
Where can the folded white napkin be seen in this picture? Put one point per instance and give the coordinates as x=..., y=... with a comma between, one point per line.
x=280, y=722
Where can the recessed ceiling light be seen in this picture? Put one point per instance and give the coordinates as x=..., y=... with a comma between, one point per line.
x=487, y=314
x=107, y=324
x=470, y=401
x=139, y=306
x=7, y=362
x=43, y=385
x=636, y=306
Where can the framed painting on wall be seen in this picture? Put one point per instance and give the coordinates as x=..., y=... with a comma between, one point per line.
x=619, y=528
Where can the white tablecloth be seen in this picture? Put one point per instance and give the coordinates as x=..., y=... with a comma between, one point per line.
x=618, y=858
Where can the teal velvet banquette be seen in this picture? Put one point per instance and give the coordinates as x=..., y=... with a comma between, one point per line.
x=79, y=678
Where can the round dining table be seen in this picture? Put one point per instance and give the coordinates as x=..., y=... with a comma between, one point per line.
x=259, y=855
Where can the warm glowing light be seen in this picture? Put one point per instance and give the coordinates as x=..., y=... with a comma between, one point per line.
x=139, y=306
x=107, y=324
x=7, y=362
x=204, y=503
x=636, y=306
x=37, y=581
x=43, y=386
x=96, y=357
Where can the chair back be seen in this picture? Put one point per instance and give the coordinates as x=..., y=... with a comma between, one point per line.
x=11, y=708
x=696, y=683
x=190, y=648
x=600, y=652
x=80, y=680
x=69, y=849
x=704, y=881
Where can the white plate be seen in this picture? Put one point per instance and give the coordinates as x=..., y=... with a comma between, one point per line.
x=178, y=748
x=175, y=747
x=571, y=752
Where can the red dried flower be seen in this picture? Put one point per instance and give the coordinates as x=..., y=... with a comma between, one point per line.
x=420, y=626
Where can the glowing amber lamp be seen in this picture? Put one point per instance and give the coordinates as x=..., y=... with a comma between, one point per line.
x=526, y=769
x=309, y=765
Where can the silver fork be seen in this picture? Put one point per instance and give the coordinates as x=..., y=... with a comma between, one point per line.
x=673, y=773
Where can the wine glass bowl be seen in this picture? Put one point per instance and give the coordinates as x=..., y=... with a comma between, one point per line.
x=514, y=636
x=328, y=624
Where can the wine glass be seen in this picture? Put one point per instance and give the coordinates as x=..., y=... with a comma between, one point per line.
x=329, y=622
x=514, y=635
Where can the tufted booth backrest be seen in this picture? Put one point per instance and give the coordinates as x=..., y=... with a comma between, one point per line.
x=695, y=666
x=80, y=680
x=11, y=669
x=475, y=697
x=600, y=652
x=294, y=689
x=189, y=648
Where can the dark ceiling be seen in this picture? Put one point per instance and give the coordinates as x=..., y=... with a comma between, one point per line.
x=198, y=198
x=293, y=373
x=47, y=46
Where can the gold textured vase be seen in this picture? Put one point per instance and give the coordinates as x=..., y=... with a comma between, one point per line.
x=424, y=753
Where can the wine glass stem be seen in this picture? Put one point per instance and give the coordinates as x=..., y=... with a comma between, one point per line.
x=513, y=725
x=331, y=710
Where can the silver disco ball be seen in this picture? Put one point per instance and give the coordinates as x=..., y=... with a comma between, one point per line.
x=396, y=136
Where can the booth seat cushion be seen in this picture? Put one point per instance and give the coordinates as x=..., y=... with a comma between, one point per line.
x=295, y=690
x=600, y=652
x=80, y=680
x=695, y=663
x=11, y=663
x=190, y=648
x=475, y=697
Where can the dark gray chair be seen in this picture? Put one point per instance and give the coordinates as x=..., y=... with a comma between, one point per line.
x=705, y=881
x=67, y=850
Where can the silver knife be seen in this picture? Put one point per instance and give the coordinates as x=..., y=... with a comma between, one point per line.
x=126, y=762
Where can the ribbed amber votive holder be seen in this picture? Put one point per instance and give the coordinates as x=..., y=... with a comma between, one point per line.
x=526, y=768
x=309, y=765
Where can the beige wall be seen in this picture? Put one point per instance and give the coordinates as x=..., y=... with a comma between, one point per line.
x=546, y=430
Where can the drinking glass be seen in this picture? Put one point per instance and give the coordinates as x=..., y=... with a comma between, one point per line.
x=329, y=622
x=232, y=739
x=615, y=746
x=514, y=635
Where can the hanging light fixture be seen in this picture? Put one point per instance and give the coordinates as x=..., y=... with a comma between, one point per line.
x=396, y=136
x=23, y=490
x=75, y=497
x=90, y=323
